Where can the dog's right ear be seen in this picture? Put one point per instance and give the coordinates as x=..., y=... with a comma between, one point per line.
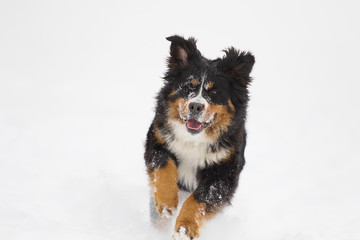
x=182, y=51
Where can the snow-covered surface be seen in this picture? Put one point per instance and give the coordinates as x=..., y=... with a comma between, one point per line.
x=77, y=85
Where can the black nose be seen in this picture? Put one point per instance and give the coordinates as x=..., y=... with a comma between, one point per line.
x=196, y=108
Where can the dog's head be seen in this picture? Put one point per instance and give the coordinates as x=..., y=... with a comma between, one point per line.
x=205, y=97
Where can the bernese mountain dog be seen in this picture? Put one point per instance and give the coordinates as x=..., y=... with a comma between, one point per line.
x=197, y=139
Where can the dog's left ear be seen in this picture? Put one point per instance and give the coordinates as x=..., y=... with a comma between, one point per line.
x=182, y=51
x=238, y=65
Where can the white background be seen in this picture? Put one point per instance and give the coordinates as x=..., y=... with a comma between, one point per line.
x=77, y=85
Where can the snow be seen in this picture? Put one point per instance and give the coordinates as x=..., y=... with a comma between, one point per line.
x=77, y=92
x=181, y=235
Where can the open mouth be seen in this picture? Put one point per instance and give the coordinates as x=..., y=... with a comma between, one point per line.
x=194, y=126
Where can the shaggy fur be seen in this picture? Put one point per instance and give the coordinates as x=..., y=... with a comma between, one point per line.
x=197, y=139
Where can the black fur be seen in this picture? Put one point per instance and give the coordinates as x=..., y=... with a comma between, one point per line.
x=230, y=75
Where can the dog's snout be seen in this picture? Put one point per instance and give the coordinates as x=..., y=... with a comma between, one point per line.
x=196, y=108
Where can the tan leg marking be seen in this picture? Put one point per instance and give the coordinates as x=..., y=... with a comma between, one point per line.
x=191, y=218
x=165, y=189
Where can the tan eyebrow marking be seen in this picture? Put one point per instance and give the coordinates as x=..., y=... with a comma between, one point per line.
x=209, y=85
x=194, y=82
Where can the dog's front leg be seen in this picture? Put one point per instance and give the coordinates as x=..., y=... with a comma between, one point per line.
x=162, y=172
x=193, y=214
x=190, y=219
x=215, y=191
x=163, y=181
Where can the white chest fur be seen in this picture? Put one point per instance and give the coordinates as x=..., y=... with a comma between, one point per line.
x=193, y=153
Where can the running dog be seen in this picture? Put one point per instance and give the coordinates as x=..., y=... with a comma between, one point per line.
x=197, y=139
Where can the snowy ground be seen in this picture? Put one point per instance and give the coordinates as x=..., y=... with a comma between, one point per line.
x=77, y=86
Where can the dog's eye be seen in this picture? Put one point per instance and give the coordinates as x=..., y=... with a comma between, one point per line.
x=190, y=87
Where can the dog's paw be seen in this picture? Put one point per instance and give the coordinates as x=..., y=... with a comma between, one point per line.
x=181, y=234
x=165, y=211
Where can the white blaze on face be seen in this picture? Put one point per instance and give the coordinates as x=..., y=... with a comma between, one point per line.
x=199, y=98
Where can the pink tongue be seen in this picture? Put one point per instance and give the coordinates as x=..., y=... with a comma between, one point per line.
x=193, y=124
